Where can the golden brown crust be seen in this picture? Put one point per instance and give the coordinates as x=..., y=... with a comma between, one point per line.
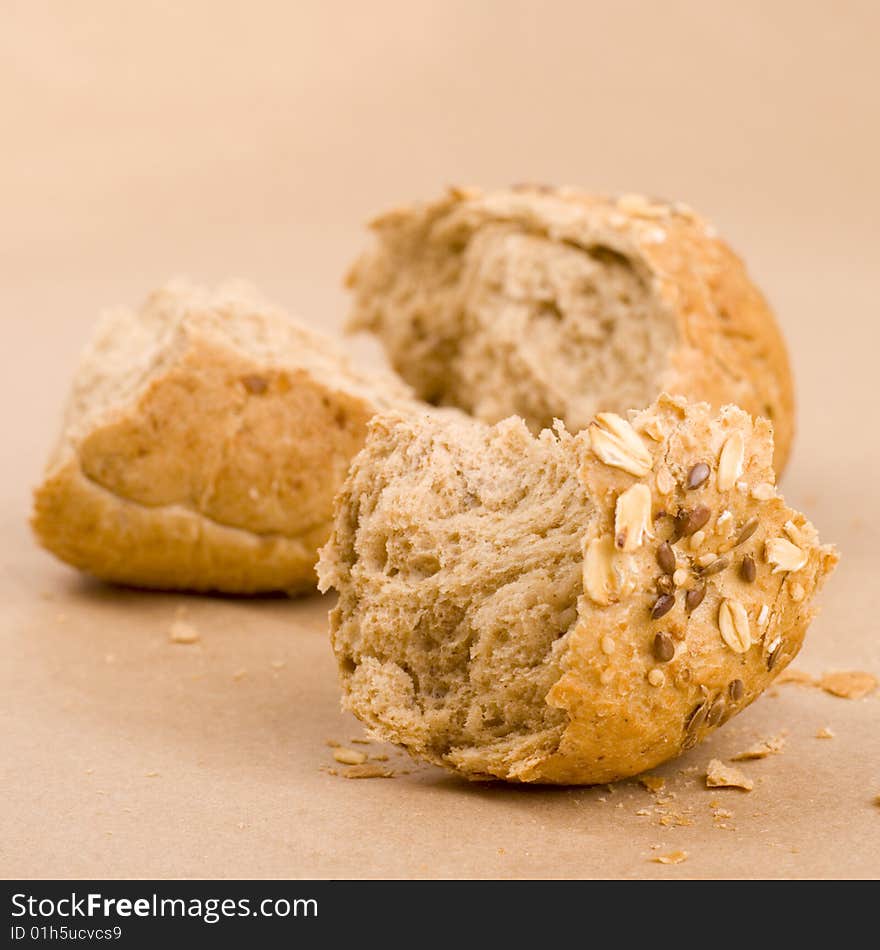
x=215, y=467
x=566, y=609
x=728, y=348
x=752, y=613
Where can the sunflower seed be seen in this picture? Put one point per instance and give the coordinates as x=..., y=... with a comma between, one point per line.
x=632, y=518
x=730, y=463
x=697, y=475
x=746, y=531
x=617, y=444
x=747, y=569
x=774, y=651
x=716, y=711
x=715, y=566
x=735, y=690
x=733, y=622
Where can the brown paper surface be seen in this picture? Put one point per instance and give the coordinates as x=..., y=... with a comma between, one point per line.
x=252, y=140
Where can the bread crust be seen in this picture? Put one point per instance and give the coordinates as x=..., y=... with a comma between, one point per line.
x=639, y=678
x=728, y=347
x=205, y=457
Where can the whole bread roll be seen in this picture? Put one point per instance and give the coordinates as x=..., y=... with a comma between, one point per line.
x=565, y=608
x=203, y=442
x=552, y=303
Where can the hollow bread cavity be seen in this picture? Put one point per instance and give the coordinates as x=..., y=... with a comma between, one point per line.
x=499, y=319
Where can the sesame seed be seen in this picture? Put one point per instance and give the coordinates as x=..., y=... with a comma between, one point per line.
x=608, y=645
x=656, y=677
x=797, y=592
x=679, y=577
x=606, y=676
x=697, y=475
x=697, y=540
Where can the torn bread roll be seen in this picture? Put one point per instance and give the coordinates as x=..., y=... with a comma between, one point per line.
x=204, y=440
x=565, y=608
x=552, y=303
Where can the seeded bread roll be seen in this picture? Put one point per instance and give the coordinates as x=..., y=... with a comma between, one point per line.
x=559, y=608
x=203, y=442
x=551, y=303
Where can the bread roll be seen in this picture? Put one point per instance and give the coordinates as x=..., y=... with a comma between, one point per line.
x=203, y=442
x=551, y=303
x=565, y=608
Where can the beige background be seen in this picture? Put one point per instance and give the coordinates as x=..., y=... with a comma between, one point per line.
x=217, y=139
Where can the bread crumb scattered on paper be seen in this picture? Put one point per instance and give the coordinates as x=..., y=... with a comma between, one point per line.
x=719, y=775
x=653, y=783
x=152, y=774
x=762, y=748
x=239, y=674
x=674, y=857
x=790, y=675
x=349, y=756
x=850, y=684
x=181, y=631
x=824, y=733
x=368, y=771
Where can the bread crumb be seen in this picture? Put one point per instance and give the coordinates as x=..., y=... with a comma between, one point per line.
x=368, y=771
x=332, y=743
x=278, y=664
x=643, y=812
x=791, y=675
x=824, y=733
x=61, y=618
x=719, y=775
x=877, y=800
x=181, y=631
x=379, y=758
x=349, y=756
x=653, y=783
x=674, y=857
x=239, y=674
x=851, y=684
x=360, y=741
x=151, y=774
x=762, y=748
